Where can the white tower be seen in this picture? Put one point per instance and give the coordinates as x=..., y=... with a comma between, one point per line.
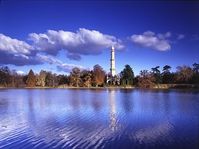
x=112, y=62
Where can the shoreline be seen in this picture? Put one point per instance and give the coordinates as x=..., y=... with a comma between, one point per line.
x=67, y=87
x=158, y=86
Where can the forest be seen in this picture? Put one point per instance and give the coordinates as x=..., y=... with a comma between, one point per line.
x=97, y=77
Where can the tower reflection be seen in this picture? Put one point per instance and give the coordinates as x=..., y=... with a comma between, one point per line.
x=112, y=111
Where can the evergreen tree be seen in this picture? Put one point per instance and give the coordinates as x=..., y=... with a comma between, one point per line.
x=31, y=79
x=167, y=76
x=63, y=79
x=5, y=77
x=51, y=79
x=195, y=78
x=156, y=74
x=127, y=76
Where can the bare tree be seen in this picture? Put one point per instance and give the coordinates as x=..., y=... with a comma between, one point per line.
x=184, y=74
x=75, y=77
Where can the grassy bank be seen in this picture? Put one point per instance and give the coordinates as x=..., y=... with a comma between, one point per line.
x=70, y=87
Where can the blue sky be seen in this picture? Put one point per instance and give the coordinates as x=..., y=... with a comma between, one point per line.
x=58, y=35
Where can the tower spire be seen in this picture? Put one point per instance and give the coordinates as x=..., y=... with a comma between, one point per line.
x=112, y=61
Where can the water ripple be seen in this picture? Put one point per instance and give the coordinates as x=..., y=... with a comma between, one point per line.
x=115, y=119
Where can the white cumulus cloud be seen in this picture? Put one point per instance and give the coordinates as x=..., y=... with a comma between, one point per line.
x=81, y=42
x=14, y=46
x=152, y=40
x=14, y=51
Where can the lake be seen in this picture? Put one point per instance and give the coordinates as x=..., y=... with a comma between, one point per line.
x=103, y=118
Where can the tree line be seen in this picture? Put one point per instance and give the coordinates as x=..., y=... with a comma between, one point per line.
x=97, y=77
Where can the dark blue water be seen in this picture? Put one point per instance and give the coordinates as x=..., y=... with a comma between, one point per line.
x=66, y=118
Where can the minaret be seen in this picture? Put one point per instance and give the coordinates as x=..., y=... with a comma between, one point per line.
x=112, y=60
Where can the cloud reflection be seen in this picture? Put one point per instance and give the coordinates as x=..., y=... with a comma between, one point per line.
x=153, y=133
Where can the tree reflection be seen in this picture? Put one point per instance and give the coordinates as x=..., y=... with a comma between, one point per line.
x=75, y=100
x=127, y=100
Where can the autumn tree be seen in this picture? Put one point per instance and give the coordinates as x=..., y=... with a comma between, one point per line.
x=31, y=79
x=127, y=76
x=98, y=76
x=86, y=78
x=146, y=79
